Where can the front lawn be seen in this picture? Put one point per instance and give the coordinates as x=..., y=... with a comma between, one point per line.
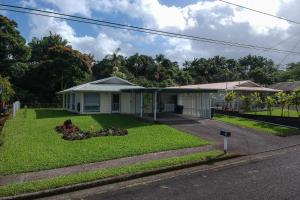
x=275, y=112
x=31, y=143
x=60, y=181
x=259, y=126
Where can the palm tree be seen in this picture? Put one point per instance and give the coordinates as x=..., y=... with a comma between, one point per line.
x=297, y=100
x=116, y=59
x=270, y=101
x=282, y=100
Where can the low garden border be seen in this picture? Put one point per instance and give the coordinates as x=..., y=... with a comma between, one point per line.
x=287, y=121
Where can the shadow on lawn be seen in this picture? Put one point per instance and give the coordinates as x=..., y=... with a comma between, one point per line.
x=43, y=113
x=119, y=121
x=105, y=120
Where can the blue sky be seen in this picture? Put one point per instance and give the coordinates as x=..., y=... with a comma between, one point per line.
x=205, y=18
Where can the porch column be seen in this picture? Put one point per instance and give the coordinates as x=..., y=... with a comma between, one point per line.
x=155, y=104
x=81, y=102
x=141, y=112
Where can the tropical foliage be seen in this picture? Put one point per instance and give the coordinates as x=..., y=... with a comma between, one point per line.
x=6, y=90
x=229, y=98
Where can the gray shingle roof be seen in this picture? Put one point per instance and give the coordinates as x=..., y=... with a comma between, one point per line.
x=245, y=85
x=286, y=86
x=111, y=84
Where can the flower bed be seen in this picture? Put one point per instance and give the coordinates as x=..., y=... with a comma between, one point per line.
x=72, y=132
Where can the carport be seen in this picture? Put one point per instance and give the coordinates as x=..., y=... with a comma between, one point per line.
x=194, y=102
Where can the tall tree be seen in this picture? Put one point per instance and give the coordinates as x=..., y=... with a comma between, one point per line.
x=56, y=66
x=292, y=73
x=216, y=69
x=41, y=47
x=111, y=64
x=259, y=69
x=13, y=46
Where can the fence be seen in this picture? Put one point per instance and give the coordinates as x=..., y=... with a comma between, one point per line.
x=16, y=107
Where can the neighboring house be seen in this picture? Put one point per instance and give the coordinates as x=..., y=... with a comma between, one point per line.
x=286, y=86
x=240, y=87
x=115, y=95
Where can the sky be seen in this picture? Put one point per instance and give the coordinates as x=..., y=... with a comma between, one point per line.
x=203, y=18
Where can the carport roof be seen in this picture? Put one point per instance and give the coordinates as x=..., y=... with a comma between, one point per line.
x=168, y=90
x=246, y=85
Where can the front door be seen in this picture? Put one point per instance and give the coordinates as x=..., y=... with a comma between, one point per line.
x=115, y=103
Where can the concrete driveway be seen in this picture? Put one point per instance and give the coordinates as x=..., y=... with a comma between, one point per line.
x=243, y=140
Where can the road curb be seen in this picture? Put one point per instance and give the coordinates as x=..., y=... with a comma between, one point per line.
x=111, y=180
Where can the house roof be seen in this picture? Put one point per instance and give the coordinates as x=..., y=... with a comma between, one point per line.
x=245, y=85
x=286, y=86
x=110, y=84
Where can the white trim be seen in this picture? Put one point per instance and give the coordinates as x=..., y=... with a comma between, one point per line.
x=155, y=104
x=141, y=103
x=111, y=109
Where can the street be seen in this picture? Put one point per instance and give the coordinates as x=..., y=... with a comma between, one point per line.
x=274, y=177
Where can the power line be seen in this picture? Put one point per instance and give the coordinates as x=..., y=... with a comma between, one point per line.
x=281, y=42
x=110, y=23
x=139, y=29
x=128, y=28
x=287, y=55
x=261, y=12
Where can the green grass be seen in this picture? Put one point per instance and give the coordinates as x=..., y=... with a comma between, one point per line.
x=259, y=126
x=276, y=112
x=32, y=144
x=34, y=186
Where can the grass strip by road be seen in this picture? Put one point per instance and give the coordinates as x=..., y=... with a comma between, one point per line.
x=275, y=112
x=60, y=181
x=258, y=125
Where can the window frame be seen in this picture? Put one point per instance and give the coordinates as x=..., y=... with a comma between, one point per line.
x=91, y=105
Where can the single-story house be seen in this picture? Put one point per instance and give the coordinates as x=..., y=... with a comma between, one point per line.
x=286, y=86
x=240, y=87
x=116, y=95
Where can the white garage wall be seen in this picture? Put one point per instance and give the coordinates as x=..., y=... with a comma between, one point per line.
x=132, y=103
x=125, y=102
x=105, y=102
x=195, y=104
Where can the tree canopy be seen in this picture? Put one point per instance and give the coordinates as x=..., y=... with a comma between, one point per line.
x=13, y=46
x=55, y=66
x=292, y=73
x=6, y=89
x=49, y=64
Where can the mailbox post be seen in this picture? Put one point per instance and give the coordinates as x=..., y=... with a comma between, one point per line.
x=226, y=135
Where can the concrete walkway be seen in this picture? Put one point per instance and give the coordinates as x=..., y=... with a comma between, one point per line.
x=30, y=176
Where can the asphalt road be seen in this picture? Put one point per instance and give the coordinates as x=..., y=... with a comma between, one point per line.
x=275, y=177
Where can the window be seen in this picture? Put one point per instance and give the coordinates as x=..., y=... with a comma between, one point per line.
x=91, y=102
x=73, y=101
x=68, y=101
x=65, y=101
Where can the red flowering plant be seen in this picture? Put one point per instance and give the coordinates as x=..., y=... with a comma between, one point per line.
x=67, y=127
x=71, y=132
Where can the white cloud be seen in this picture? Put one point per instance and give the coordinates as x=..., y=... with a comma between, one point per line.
x=99, y=46
x=72, y=6
x=29, y=3
x=211, y=19
x=261, y=24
